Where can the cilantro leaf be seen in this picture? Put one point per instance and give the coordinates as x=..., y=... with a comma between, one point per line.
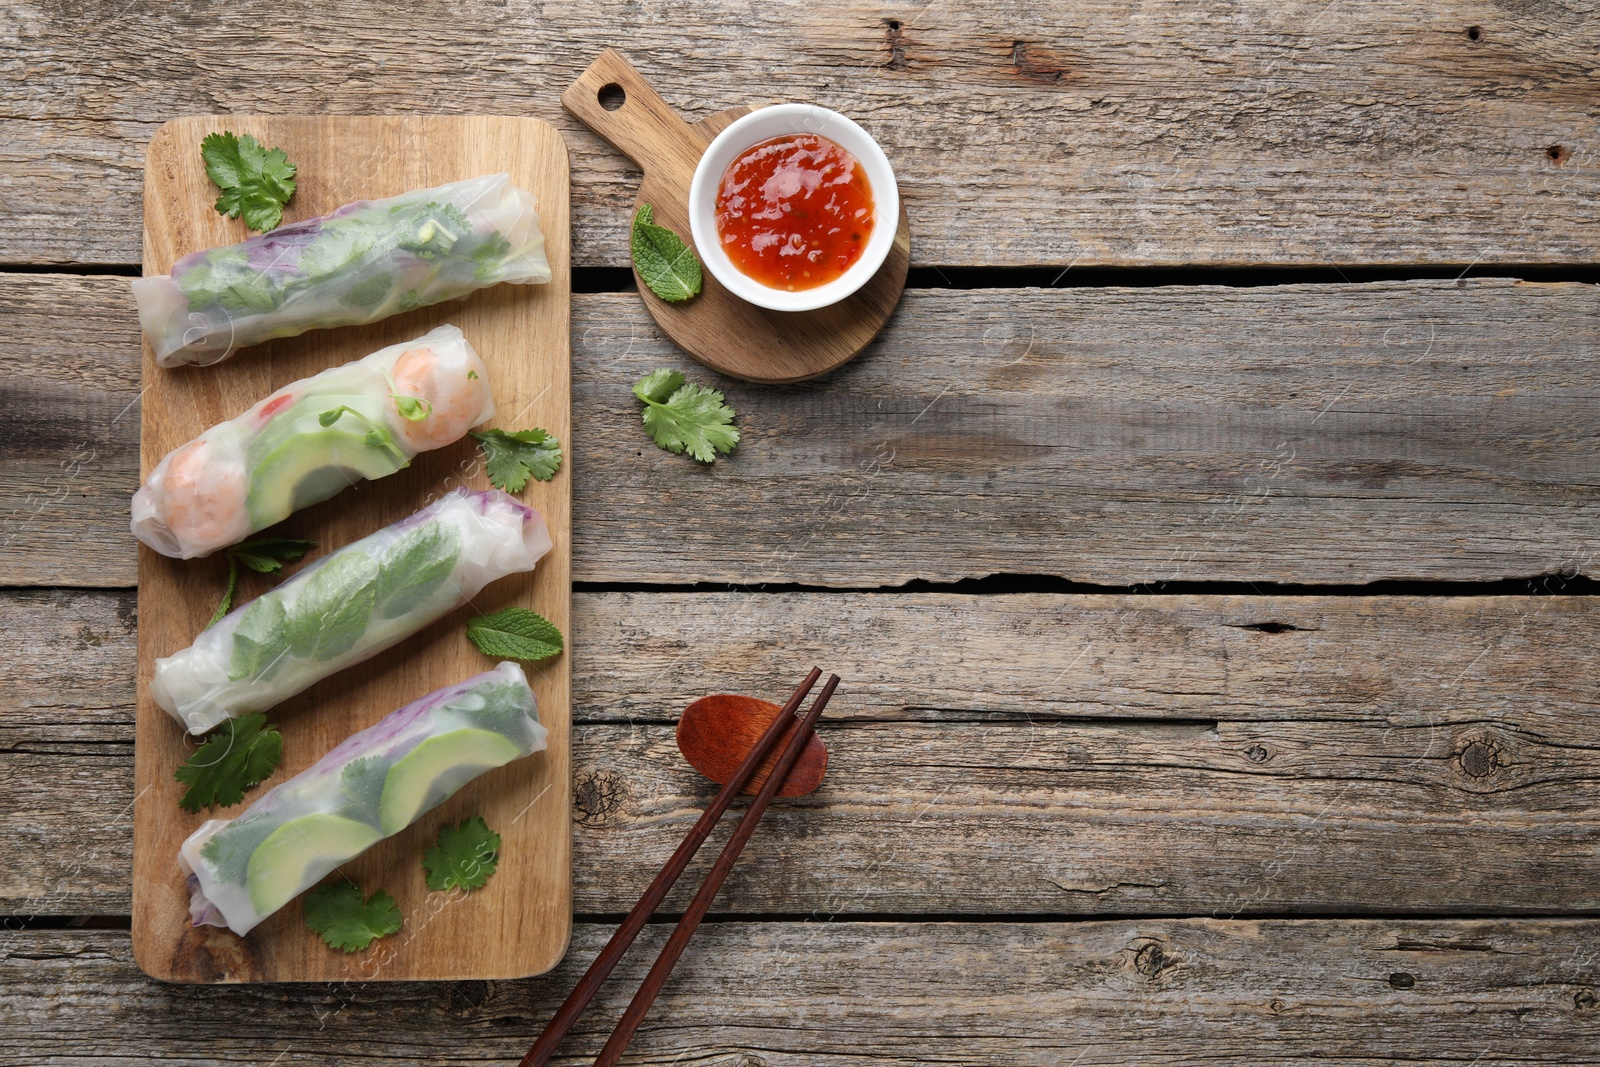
x=686, y=418
x=224, y=278
x=464, y=858
x=513, y=456
x=515, y=633
x=361, y=788
x=667, y=265
x=255, y=181
x=230, y=848
x=265, y=555
x=237, y=756
x=345, y=921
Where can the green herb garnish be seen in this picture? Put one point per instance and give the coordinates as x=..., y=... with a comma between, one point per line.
x=513, y=456
x=414, y=409
x=356, y=247
x=261, y=640
x=332, y=415
x=667, y=265
x=345, y=921
x=515, y=633
x=255, y=181
x=334, y=606
x=265, y=555
x=413, y=568
x=686, y=418
x=464, y=857
x=238, y=755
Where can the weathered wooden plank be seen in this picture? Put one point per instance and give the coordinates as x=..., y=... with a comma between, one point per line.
x=1001, y=754
x=1166, y=992
x=1304, y=433
x=1023, y=133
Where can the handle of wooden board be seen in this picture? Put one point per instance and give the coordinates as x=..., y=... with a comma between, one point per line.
x=639, y=123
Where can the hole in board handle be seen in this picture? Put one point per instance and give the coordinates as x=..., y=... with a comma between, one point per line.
x=612, y=96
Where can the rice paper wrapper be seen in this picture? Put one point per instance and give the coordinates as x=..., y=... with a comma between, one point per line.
x=362, y=263
x=366, y=419
x=349, y=606
x=371, y=786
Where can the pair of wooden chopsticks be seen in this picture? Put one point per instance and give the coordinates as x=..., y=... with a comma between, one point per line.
x=598, y=971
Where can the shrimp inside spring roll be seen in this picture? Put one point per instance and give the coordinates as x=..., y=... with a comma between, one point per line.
x=309, y=440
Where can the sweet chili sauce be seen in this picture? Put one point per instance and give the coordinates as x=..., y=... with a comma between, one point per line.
x=794, y=212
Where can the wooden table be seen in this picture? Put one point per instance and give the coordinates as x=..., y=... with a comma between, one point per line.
x=1206, y=543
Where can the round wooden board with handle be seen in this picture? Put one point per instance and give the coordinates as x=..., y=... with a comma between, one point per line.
x=717, y=328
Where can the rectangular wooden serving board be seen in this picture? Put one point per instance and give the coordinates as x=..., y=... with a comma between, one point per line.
x=518, y=924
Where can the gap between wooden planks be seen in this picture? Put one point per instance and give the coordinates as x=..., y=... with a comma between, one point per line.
x=1027, y=754
x=1301, y=433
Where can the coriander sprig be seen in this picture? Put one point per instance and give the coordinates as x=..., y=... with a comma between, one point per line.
x=240, y=754
x=464, y=856
x=255, y=181
x=345, y=921
x=511, y=457
x=682, y=417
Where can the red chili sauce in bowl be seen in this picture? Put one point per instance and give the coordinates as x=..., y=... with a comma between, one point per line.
x=794, y=212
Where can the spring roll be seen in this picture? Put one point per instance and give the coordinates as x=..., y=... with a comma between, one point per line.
x=364, y=262
x=307, y=441
x=348, y=606
x=371, y=786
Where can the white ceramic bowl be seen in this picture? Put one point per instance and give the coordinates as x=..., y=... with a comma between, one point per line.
x=775, y=121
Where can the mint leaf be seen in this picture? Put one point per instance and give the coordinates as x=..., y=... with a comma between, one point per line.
x=345, y=921
x=683, y=417
x=464, y=857
x=667, y=265
x=515, y=633
x=333, y=608
x=414, y=567
x=261, y=639
x=238, y=755
x=255, y=181
x=503, y=707
x=511, y=457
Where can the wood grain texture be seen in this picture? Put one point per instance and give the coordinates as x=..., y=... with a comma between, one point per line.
x=1030, y=754
x=1025, y=133
x=1300, y=433
x=1093, y=994
x=716, y=327
x=519, y=923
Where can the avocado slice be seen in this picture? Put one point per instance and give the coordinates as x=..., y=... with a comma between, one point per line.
x=279, y=867
x=310, y=466
x=421, y=779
